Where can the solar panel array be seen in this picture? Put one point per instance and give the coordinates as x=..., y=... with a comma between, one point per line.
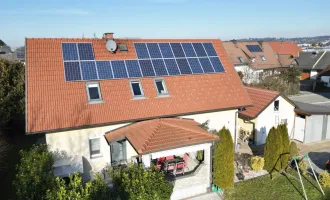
x=154, y=59
x=254, y=48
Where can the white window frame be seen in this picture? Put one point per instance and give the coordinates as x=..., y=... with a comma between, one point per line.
x=123, y=50
x=88, y=84
x=263, y=58
x=278, y=108
x=141, y=89
x=164, y=86
x=89, y=147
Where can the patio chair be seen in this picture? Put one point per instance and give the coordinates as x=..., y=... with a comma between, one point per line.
x=185, y=159
x=179, y=168
x=170, y=157
x=170, y=168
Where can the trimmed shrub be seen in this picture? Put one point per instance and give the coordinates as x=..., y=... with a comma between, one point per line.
x=324, y=179
x=303, y=167
x=282, y=132
x=223, y=160
x=200, y=155
x=272, y=151
x=293, y=150
x=257, y=163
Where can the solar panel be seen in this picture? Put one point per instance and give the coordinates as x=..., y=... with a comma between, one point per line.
x=154, y=50
x=177, y=50
x=159, y=67
x=88, y=70
x=199, y=49
x=195, y=66
x=206, y=64
x=217, y=64
x=183, y=66
x=172, y=67
x=141, y=50
x=133, y=68
x=70, y=51
x=254, y=48
x=188, y=49
x=72, y=71
x=85, y=51
x=146, y=68
x=209, y=48
x=166, y=50
x=104, y=69
x=119, y=69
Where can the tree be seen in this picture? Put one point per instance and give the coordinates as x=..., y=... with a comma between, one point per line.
x=285, y=144
x=135, y=182
x=2, y=43
x=293, y=150
x=12, y=89
x=313, y=44
x=34, y=173
x=4, y=147
x=272, y=151
x=223, y=160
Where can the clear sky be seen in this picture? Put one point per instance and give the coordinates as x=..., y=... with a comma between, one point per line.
x=227, y=19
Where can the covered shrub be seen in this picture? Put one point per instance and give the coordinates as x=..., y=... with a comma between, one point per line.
x=257, y=163
x=324, y=179
x=302, y=167
x=293, y=150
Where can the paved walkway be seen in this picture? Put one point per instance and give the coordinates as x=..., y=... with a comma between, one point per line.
x=207, y=196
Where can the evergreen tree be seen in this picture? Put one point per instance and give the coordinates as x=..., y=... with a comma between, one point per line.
x=223, y=160
x=272, y=151
x=293, y=150
x=285, y=147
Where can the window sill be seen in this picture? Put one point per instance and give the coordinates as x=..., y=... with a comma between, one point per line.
x=96, y=156
x=163, y=95
x=138, y=98
x=96, y=102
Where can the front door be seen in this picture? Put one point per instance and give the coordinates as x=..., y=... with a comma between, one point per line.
x=118, y=151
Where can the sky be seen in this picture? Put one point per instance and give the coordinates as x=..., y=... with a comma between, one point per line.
x=229, y=19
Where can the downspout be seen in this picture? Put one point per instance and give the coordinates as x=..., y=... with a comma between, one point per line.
x=236, y=129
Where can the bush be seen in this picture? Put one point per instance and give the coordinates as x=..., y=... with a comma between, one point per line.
x=293, y=150
x=34, y=173
x=272, y=151
x=200, y=155
x=324, y=179
x=282, y=132
x=223, y=160
x=303, y=167
x=135, y=182
x=257, y=163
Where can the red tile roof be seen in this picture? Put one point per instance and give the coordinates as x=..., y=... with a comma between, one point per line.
x=261, y=99
x=54, y=104
x=290, y=48
x=161, y=134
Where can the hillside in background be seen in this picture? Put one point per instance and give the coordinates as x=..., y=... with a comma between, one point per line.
x=298, y=40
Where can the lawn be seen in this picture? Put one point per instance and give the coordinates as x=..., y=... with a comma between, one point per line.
x=281, y=187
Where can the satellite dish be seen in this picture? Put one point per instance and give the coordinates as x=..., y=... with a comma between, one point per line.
x=111, y=45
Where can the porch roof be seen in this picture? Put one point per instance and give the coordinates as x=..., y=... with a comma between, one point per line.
x=161, y=134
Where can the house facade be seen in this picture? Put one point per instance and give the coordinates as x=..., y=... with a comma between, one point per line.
x=269, y=109
x=109, y=101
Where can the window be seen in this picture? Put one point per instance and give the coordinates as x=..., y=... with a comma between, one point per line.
x=93, y=91
x=160, y=87
x=136, y=89
x=95, y=147
x=263, y=58
x=241, y=59
x=123, y=47
x=284, y=121
x=276, y=105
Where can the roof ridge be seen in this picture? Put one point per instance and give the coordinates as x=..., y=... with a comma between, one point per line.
x=260, y=89
x=159, y=121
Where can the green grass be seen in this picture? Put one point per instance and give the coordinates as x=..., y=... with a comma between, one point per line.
x=281, y=187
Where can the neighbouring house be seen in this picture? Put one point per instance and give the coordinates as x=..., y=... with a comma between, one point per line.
x=269, y=109
x=111, y=101
x=312, y=123
x=8, y=54
x=286, y=48
x=252, y=59
x=312, y=63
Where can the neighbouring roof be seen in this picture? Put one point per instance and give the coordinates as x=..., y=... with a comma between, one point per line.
x=240, y=49
x=324, y=61
x=311, y=109
x=287, y=60
x=260, y=100
x=307, y=60
x=290, y=48
x=53, y=104
x=161, y=134
x=5, y=49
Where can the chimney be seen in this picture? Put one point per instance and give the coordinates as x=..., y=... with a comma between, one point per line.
x=108, y=36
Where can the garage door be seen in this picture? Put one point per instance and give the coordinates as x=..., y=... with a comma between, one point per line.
x=299, y=129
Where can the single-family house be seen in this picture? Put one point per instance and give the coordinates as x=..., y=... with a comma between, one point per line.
x=252, y=59
x=285, y=48
x=110, y=101
x=269, y=109
x=312, y=123
x=313, y=63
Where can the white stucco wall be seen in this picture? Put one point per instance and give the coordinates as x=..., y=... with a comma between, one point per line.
x=75, y=143
x=130, y=151
x=266, y=120
x=249, y=75
x=217, y=120
x=313, y=74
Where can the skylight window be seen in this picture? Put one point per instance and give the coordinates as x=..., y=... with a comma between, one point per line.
x=263, y=58
x=123, y=47
x=240, y=59
x=94, y=92
x=136, y=88
x=160, y=87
